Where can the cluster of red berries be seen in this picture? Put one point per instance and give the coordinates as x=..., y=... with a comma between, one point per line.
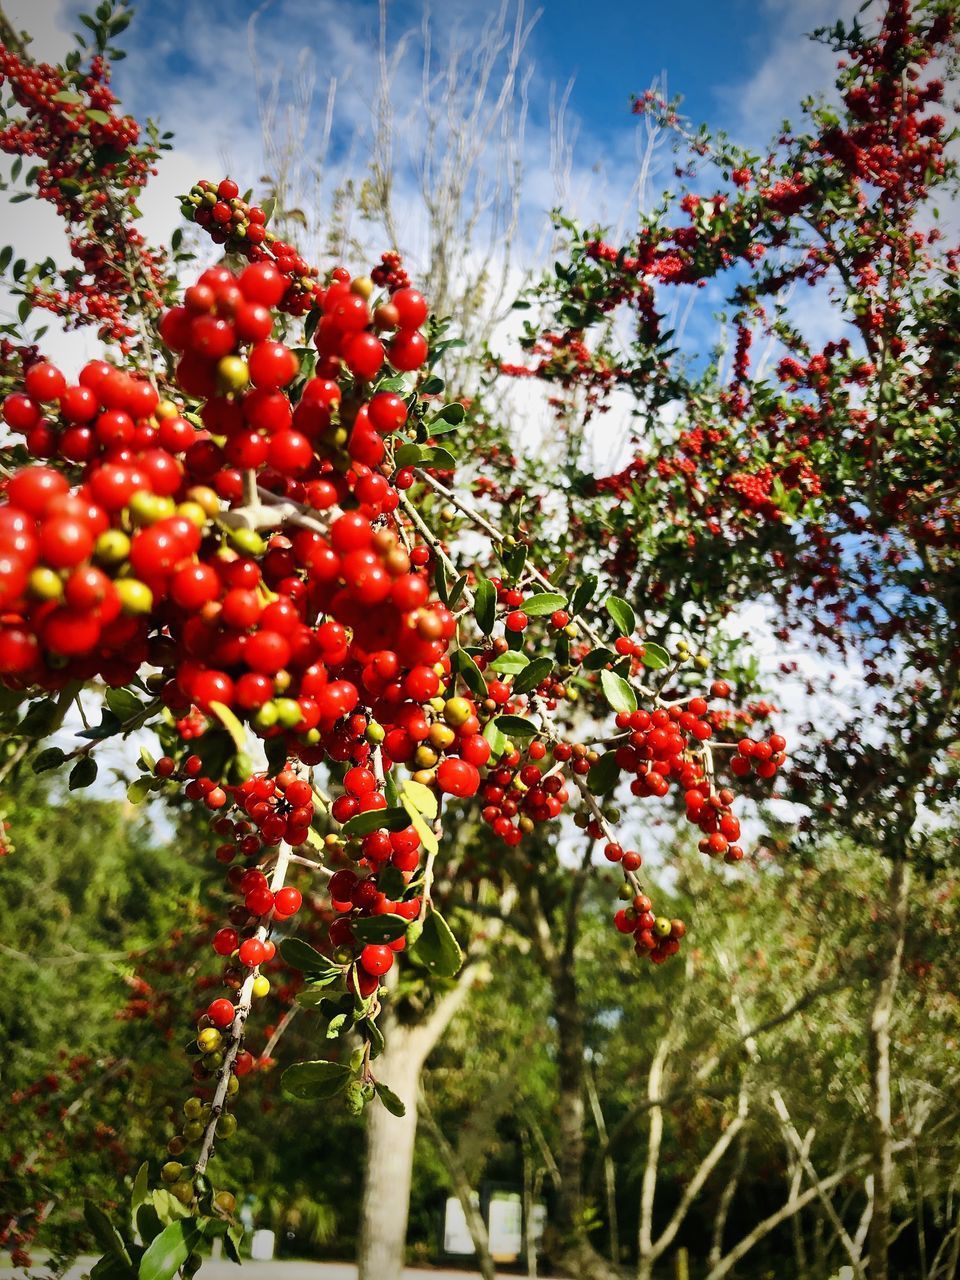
x=656, y=937
x=517, y=794
x=764, y=757
x=70, y=128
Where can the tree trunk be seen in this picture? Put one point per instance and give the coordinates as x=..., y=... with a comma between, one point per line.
x=579, y=1255
x=878, y=1046
x=388, y=1169
x=389, y=1164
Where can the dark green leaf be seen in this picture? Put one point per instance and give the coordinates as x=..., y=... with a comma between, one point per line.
x=485, y=605
x=471, y=673
x=51, y=758
x=83, y=773
x=598, y=658
x=385, y=928
x=604, y=774
x=233, y=1242
x=532, y=675
x=453, y=414
x=375, y=819
x=437, y=949
x=584, y=593
x=516, y=727
x=306, y=1080
x=307, y=959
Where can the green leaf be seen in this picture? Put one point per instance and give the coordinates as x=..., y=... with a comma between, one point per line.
x=438, y=458
x=300, y=955
x=540, y=605
x=97, y=116
x=51, y=758
x=408, y=455
x=65, y=95
x=465, y=666
x=390, y=880
x=167, y=1254
x=485, y=605
x=336, y=1026
x=83, y=773
x=604, y=774
x=623, y=616
x=385, y=928
x=509, y=664
x=423, y=829
x=231, y=724
x=532, y=674
x=584, y=594
x=421, y=797
x=516, y=726
x=141, y=1187
x=139, y=789
x=655, y=656
x=390, y=1100
x=5, y=256
x=233, y=1242
x=124, y=704
x=618, y=693
x=598, y=658
x=307, y=1080
x=370, y=1031
x=437, y=949
x=104, y=1232
x=496, y=738
x=453, y=414
x=361, y=824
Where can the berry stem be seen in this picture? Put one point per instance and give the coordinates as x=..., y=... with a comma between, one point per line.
x=237, y=1026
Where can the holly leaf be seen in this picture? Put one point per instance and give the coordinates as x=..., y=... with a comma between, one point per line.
x=322, y=1079
x=485, y=605
x=618, y=692
x=83, y=773
x=462, y=663
x=623, y=616
x=385, y=928
x=584, y=594
x=546, y=602
x=300, y=955
x=604, y=774
x=655, y=656
x=437, y=949
x=509, y=663
x=124, y=704
x=598, y=658
x=438, y=458
x=167, y=1254
x=390, y=1100
x=532, y=675
x=408, y=455
x=51, y=758
x=361, y=824
x=516, y=727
